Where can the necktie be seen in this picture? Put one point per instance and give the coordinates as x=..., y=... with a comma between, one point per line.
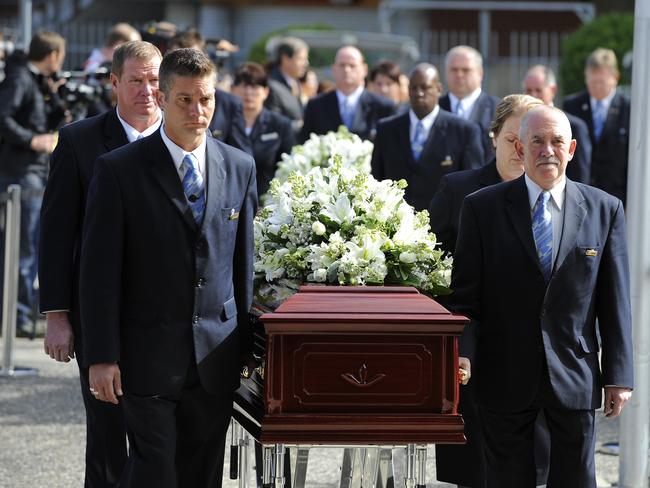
x=460, y=110
x=543, y=233
x=347, y=113
x=140, y=136
x=417, y=144
x=193, y=187
x=599, y=119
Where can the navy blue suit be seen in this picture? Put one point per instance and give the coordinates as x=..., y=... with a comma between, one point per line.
x=322, y=115
x=579, y=168
x=227, y=124
x=453, y=144
x=62, y=213
x=482, y=114
x=534, y=345
x=168, y=300
x=609, y=157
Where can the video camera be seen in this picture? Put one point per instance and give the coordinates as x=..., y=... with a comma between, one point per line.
x=85, y=93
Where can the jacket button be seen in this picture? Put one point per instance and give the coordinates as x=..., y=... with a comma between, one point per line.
x=543, y=312
x=200, y=283
x=195, y=319
x=199, y=244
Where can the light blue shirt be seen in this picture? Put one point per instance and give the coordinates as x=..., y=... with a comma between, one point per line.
x=555, y=206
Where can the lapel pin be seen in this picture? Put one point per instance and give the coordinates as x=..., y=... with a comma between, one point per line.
x=585, y=107
x=447, y=161
x=591, y=252
x=233, y=215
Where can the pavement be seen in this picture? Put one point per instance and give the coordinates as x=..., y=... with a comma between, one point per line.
x=42, y=433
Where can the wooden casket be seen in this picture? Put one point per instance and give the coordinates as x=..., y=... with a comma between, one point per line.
x=356, y=365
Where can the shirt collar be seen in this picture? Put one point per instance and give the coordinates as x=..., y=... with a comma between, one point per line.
x=177, y=153
x=467, y=102
x=557, y=192
x=607, y=101
x=132, y=133
x=427, y=121
x=352, y=98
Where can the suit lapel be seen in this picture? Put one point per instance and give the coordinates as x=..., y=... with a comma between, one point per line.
x=360, y=114
x=167, y=177
x=216, y=176
x=518, y=209
x=404, y=139
x=445, y=103
x=260, y=126
x=333, y=109
x=114, y=135
x=436, y=138
x=574, y=215
x=611, y=120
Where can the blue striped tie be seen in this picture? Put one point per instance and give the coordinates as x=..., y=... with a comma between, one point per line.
x=193, y=187
x=543, y=233
x=417, y=144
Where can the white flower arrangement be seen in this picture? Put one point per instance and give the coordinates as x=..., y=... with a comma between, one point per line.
x=339, y=225
x=317, y=151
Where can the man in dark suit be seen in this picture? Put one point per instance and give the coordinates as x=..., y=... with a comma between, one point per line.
x=135, y=80
x=560, y=250
x=166, y=283
x=607, y=115
x=290, y=64
x=426, y=143
x=465, y=98
x=540, y=82
x=350, y=104
x=26, y=140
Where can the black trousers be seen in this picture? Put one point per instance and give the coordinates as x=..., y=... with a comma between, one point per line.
x=106, y=449
x=177, y=441
x=510, y=446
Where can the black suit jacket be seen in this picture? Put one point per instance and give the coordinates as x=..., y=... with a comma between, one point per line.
x=23, y=115
x=453, y=144
x=322, y=115
x=609, y=155
x=444, y=210
x=62, y=212
x=520, y=322
x=281, y=100
x=271, y=136
x=482, y=114
x=228, y=124
x=579, y=168
x=158, y=291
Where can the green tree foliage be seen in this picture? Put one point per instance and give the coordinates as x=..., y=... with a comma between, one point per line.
x=612, y=31
x=317, y=57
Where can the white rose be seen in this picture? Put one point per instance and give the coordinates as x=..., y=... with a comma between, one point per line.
x=318, y=228
x=407, y=257
x=320, y=275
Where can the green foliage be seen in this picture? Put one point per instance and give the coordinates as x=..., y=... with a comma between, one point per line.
x=317, y=56
x=612, y=31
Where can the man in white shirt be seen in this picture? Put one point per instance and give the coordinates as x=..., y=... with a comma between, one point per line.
x=465, y=98
x=134, y=78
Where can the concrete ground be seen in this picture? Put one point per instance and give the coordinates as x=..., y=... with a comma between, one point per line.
x=42, y=433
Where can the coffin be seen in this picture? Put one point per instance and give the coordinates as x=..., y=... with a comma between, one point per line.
x=356, y=365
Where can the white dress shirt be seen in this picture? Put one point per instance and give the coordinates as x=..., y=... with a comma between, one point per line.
x=427, y=122
x=177, y=153
x=467, y=103
x=606, y=102
x=132, y=133
x=555, y=206
x=352, y=99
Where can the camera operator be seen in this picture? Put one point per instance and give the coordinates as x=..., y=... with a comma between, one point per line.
x=28, y=113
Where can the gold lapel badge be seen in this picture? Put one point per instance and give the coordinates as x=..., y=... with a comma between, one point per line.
x=233, y=215
x=447, y=161
x=591, y=252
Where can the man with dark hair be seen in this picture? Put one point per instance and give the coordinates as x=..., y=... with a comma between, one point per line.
x=134, y=78
x=426, y=143
x=350, y=104
x=290, y=64
x=607, y=114
x=384, y=80
x=26, y=140
x=166, y=283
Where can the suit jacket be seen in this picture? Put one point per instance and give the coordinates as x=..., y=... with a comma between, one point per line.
x=482, y=114
x=23, y=115
x=444, y=210
x=271, y=136
x=62, y=212
x=281, y=100
x=453, y=144
x=158, y=291
x=579, y=168
x=520, y=321
x=322, y=115
x=610, y=153
x=228, y=124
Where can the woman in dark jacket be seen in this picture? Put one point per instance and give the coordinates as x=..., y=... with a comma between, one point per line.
x=269, y=133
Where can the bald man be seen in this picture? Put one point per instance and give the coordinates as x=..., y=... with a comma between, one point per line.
x=538, y=260
x=425, y=143
x=350, y=104
x=540, y=82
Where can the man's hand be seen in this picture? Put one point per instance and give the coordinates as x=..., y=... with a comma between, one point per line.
x=615, y=398
x=59, y=338
x=44, y=143
x=105, y=382
x=465, y=370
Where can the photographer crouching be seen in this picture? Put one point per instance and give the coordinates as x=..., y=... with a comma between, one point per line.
x=29, y=113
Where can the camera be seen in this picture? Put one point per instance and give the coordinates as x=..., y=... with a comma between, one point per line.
x=85, y=93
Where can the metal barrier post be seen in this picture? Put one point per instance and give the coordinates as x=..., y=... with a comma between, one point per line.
x=10, y=291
